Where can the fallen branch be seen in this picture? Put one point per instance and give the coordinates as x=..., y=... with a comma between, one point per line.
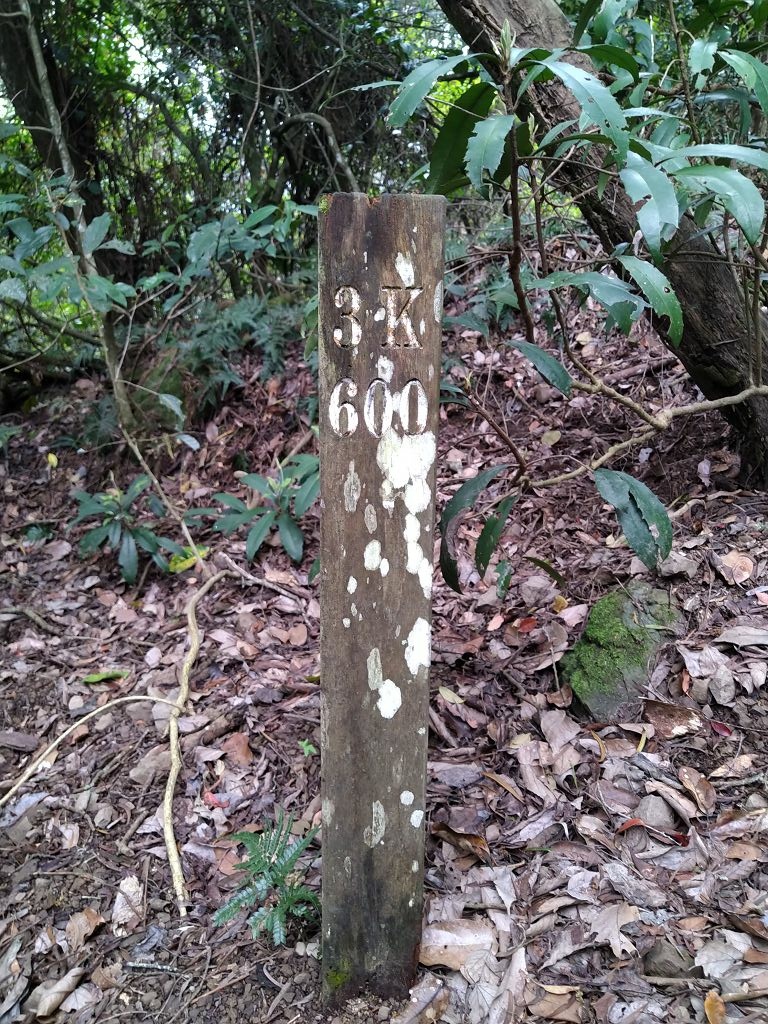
x=174, y=860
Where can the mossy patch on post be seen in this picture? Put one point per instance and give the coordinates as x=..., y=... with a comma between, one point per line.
x=608, y=667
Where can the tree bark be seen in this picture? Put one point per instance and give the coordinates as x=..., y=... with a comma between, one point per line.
x=716, y=347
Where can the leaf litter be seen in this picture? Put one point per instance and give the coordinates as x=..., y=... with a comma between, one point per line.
x=576, y=870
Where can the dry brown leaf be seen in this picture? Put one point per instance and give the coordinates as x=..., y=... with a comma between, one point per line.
x=745, y=636
x=452, y=943
x=237, y=749
x=466, y=842
x=126, y=909
x=672, y=720
x=428, y=999
x=81, y=925
x=703, y=792
x=607, y=924
x=742, y=849
x=107, y=976
x=506, y=783
x=715, y=1008
x=449, y=696
x=297, y=635
x=48, y=996
x=735, y=567
x=558, y=728
x=554, y=1002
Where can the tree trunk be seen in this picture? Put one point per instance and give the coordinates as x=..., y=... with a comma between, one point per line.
x=716, y=347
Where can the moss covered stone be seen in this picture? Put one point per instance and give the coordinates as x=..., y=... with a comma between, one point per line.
x=608, y=667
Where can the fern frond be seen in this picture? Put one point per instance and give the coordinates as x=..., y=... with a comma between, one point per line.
x=250, y=894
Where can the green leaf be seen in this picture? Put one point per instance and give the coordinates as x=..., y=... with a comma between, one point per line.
x=306, y=494
x=95, y=233
x=463, y=498
x=119, y=245
x=613, y=56
x=491, y=533
x=623, y=305
x=644, y=181
x=258, y=483
x=137, y=487
x=291, y=537
x=701, y=59
x=503, y=579
x=740, y=196
x=128, y=559
x=639, y=512
x=107, y=675
x=314, y=569
x=752, y=71
x=12, y=289
x=550, y=369
x=588, y=11
x=596, y=101
x=486, y=147
x=753, y=157
x=447, y=160
x=658, y=291
x=174, y=404
x=474, y=323
x=258, y=534
x=418, y=84
x=550, y=570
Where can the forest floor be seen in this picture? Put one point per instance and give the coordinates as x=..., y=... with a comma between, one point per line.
x=577, y=871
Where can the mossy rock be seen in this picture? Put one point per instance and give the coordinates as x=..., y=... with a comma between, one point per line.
x=608, y=667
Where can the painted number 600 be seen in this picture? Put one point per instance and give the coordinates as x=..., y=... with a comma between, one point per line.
x=379, y=408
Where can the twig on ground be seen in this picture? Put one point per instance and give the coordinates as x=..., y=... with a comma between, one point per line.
x=33, y=616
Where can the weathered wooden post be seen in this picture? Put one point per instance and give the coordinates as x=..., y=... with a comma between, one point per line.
x=380, y=314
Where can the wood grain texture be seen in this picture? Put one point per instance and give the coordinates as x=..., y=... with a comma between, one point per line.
x=380, y=313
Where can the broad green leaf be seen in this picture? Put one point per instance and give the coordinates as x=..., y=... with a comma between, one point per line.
x=291, y=537
x=641, y=515
x=95, y=233
x=491, y=534
x=752, y=71
x=107, y=675
x=306, y=494
x=486, y=147
x=660, y=210
x=551, y=369
x=11, y=288
x=701, y=59
x=596, y=101
x=258, y=534
x=720, y=151
x=550, y=570
x=503, y=579
x=469, y=320
x=174, y=404
x=447, y=160
x=418, y=84
x=119, y=245
x=137, y=487
x=658, y=291
x=588, y=11
x=180, y=563
x=740, y=196
x=231, y=501
x=7, y=129
x=623, y=305
x=314, y=569
x=462, y=499
x=614, y=56
x=128, y=558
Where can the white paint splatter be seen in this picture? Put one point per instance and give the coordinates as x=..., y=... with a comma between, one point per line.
x=410, y=902
x=431, y=372
x=384, y=567
x=404, y=268
x=417, y=648
x=415, y=866
x=353, y=609
x=425, y=576
x=374, y=833
x=406, y=798
x=371, y=519
x=328, y=811
x=372, y=555
x=405, y=463
x=380, y=313
x=352, y=489
x=437, y=302
x=375, y=676
x=421, y=730
x=385, y=369
x=412, y=528
x=351, y=585
x=422, y=327
x=348, y=867
x=416, y=818
x=390, y=699
x=346, y=622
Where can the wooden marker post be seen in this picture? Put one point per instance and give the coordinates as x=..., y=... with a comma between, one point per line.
x=380, y=315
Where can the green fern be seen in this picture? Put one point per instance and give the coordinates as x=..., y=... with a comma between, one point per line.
x=272, y=885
